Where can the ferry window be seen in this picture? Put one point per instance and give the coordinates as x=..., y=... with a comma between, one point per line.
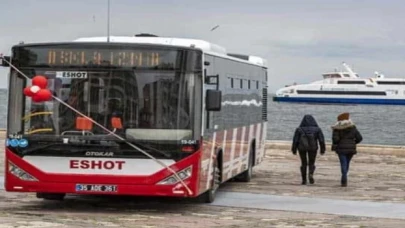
x=248, y=84
x=231, y=82
x=332, y=76
x=241, y=83
x=257, y=84
x=352, y=82
x=237, y=81
x=391, y=82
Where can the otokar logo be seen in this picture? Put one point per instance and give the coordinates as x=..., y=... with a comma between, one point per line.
x=99, y=154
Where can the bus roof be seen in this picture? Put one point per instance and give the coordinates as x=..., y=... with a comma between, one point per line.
x=205, y=46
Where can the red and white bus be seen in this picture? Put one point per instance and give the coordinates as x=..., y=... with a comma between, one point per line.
x=199, y=112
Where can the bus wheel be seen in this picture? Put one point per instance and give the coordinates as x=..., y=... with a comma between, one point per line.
x=51, y=196
x=209, y=196
x=246, y=176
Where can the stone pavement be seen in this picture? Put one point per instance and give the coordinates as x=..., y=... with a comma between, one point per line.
x=23, y=210
x=306, y=204
x=313, y=205
x=372, y=177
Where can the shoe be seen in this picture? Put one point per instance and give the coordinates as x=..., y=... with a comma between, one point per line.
x=311, y=174
x=344, y=183
x=304, y=175
x=311, y=179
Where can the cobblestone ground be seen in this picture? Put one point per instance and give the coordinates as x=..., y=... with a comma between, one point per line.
x=22, y=210
x=372, y=177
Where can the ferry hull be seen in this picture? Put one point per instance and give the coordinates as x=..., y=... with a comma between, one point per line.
x=334, y=100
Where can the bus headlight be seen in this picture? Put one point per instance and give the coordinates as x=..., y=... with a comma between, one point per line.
x=18, y=172
x=183, y=174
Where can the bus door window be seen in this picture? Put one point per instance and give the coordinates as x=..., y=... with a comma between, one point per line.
x=115, y=95
x=74, y=96
x=94, y=99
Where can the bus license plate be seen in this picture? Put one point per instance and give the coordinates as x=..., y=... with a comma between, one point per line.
x=95, y=188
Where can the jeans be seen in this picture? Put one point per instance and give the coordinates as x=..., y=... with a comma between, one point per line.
x=344, y=165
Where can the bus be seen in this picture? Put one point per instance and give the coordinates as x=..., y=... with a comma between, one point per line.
x=133, y=115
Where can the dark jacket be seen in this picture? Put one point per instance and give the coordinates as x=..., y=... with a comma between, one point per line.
x=309, y=126
x=345, y=136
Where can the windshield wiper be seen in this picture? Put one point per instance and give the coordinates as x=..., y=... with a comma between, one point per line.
x=41, y=147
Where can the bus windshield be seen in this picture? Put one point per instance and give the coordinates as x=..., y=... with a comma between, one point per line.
x=151, y=103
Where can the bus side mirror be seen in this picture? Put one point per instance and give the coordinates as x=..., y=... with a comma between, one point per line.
x=213, y=101
x=3, y=63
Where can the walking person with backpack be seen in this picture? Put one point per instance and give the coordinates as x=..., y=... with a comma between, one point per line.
x=306, y=138
x=345, y=138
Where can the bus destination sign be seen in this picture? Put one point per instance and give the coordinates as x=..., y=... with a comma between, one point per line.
x=75, y=56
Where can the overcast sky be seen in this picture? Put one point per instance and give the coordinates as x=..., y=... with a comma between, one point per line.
x=301, y=39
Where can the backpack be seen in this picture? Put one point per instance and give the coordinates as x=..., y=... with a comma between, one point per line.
x=306, y=142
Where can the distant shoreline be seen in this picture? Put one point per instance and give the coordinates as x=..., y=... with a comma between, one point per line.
x=286, y=145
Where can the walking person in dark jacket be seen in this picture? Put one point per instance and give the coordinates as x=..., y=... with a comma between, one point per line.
x=306, y=138
x=345, y=137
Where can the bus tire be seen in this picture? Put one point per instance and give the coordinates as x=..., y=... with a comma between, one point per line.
x=209, y=196
x=246, y=176
x=51, y=196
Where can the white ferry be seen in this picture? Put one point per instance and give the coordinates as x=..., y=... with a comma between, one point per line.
x=346, y=87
